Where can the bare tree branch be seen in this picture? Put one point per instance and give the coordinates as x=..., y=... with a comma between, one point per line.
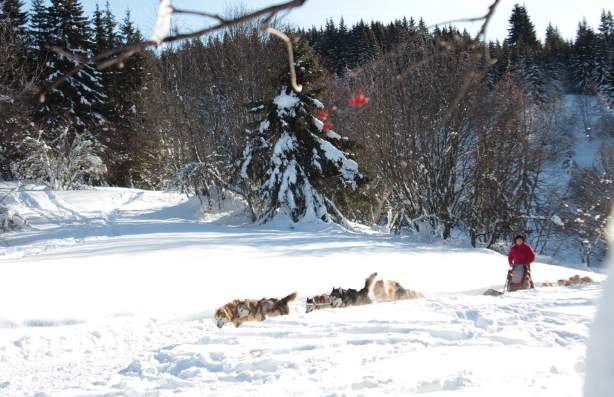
x=116, y=56
x=295, y=86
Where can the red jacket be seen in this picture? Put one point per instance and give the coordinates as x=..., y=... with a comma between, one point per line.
x=521, y=254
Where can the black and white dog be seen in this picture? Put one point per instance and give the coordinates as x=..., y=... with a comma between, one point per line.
x=342, y=297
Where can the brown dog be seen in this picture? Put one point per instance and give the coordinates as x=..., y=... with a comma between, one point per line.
x=575, y=280
x=390, y=290
x=569, y=282
x=240, y=311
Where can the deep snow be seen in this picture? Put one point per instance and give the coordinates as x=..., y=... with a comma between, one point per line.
x=111, y=291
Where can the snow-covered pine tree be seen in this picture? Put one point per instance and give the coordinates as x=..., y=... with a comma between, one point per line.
x=293, y=159
x=363, y=48
x=124, y=86
x=524, y=49
x=584, y=58
x=556, y=51
x=604, y=63
x=80, y=99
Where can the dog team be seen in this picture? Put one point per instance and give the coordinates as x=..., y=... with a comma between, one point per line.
x=519, y=277
x=240, y=311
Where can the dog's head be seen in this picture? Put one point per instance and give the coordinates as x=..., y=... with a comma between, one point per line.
x=222, y=316
x=336, y=297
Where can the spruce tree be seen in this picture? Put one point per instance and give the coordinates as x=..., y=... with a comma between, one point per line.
x=524, y=48
x=293, y=159
x=14, y=38
x=123, y=86
x=604, y=58
x=100, y=42
x=12, y=13
x=606, y=28
x=521, y=31
x=555, y=55
x=39, y=32
x=584, y=58
x=80, y=99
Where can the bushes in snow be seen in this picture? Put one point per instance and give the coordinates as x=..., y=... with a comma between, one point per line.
x=10, y=220
x=68, y=162
x=201, y=179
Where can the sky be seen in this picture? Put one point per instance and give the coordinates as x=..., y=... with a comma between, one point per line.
x=565, y=14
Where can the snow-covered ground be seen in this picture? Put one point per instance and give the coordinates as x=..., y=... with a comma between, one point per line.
x=111, y=293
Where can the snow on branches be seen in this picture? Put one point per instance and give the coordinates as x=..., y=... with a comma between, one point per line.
x=201, y=179
x=293, y=161
x=70, y=161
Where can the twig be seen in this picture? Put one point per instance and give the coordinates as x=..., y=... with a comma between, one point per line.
x=295, y=86
x=198, y=13
x=485, y=18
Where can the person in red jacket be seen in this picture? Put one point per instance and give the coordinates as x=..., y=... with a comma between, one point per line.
x=520, y=257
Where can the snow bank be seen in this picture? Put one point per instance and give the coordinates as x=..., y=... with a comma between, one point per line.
x=600, y=355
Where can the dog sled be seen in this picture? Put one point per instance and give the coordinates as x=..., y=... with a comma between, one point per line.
x=518, y=277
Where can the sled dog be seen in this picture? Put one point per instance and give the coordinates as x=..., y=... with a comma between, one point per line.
x=342, y=297
x=318, y=302
x=240, y=311
x=575, y=280
x=390, y=290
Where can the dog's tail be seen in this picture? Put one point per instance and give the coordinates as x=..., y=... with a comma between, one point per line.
x=369, y=282
x=290, y=298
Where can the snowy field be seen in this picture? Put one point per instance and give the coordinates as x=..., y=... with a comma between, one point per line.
x=110, y=292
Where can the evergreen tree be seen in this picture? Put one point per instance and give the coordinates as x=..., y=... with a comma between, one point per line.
x=295, y=161
x=524, y=50
x=100, y=42
x=123, y=86
x=606, y=28
x=521, y=31
x=110, y=26
x=13, y=36
x=363, y=46
x=604, y=58
x=39, y=32
x=80, y=99
x=555, y=55
x=584, y=58
x=12, y=14
x=555, y=46
x=133, y=71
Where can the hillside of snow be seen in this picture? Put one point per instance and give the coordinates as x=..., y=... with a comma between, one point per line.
x=110, y=292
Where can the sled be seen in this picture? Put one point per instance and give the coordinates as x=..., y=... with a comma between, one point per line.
x=518, y=277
